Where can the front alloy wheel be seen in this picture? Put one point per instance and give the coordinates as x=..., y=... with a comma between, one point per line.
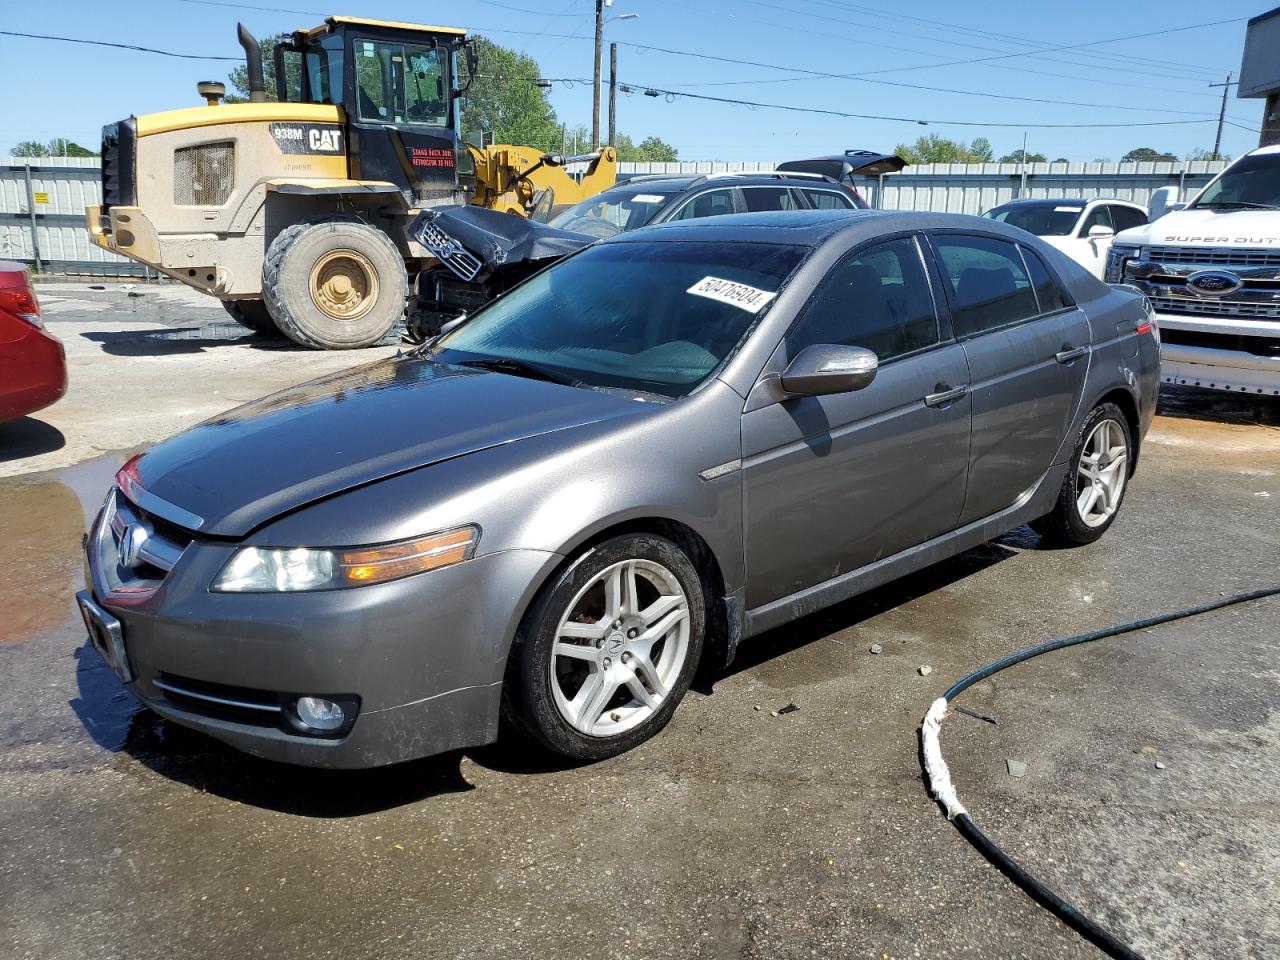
x=608, y=649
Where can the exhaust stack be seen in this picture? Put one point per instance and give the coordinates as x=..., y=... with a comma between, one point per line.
x=253, y=65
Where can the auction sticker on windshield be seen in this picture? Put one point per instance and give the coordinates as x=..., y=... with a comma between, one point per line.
x=750, y=299
x=648, y=198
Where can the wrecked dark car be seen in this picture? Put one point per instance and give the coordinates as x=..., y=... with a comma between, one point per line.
x=483, y=253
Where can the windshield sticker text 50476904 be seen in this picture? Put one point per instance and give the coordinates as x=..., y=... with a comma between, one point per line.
x=740, y=295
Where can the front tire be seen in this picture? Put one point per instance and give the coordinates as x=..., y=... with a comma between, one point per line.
x=608, y=650
x=252, y=314
x=1096, y=480
x=334, y=283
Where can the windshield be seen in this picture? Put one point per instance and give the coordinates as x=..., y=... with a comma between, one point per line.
x=1044, y=220
x=1249, y=183
x=612, y=212
x=657, y=317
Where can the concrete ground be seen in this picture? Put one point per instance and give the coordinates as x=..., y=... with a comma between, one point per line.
x=736, y=833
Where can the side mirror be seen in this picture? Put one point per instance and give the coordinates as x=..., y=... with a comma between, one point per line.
x=826, y=368
x=1101, y=232
x=1164, y=200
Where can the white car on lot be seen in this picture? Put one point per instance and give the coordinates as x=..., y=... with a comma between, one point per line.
x=1082, y=229
x=1211, y=270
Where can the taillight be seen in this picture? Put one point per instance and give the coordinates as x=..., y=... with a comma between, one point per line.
x=1149, y=323
x=17, y=296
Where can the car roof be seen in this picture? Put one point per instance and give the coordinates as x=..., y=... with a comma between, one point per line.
x=675, y=183
x=1063, y=201
x=813, y=227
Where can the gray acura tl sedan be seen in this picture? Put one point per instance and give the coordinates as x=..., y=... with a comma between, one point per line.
x=555, y=512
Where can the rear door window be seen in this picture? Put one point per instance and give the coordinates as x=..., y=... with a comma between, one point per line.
x=765, y=199
x=1126, y=218
x=878, y=298
x=713, y=203
x=828, y=200
x=989, y=284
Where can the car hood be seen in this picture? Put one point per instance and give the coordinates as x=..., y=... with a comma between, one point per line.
x=1209, y=228
x=256, y=462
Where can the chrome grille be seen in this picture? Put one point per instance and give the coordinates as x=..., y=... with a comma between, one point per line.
x=448, y=251
x=1216, y=308
x=1214, y=256
x=203, y=175
x=133, y=549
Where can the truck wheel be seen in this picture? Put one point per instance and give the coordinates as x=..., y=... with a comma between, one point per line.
x=334, y=283
x=252, y=314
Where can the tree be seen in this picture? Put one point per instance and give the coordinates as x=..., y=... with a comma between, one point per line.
x=1143, y=154
x=937, y=149
x=1016, y=157
x=650, y=150
x=30, y=148
x=503, y=101
x=1201, y=153
x=62, y=147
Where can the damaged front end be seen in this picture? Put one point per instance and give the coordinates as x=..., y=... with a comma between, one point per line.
x=480, y=254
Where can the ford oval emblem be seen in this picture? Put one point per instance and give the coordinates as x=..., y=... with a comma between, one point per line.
x=1214, y=283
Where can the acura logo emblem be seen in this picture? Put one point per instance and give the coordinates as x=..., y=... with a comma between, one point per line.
x=1214, y=283
x=131, y=541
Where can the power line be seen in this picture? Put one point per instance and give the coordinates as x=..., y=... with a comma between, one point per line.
x=791, y=12
x=250, y=6
x=942, y=25
x=118, y=46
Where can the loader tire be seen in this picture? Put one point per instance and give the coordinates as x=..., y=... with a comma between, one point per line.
x=252, y=314
x=334, y=283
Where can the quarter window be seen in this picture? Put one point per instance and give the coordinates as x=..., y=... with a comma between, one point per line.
x=989, y=284
x=878, y=299
x=828, y=200
x=1048, y=293
x=765, y=199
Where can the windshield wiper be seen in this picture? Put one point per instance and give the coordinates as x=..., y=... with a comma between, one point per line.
x=520, y=368
x=1237, y=205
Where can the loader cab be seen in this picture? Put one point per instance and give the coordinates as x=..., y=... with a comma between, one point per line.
x=397, y=85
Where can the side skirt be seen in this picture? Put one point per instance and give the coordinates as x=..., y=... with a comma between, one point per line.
x=1035, y=503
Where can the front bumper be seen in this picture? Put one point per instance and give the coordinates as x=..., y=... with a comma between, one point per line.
x=422, y=657
x=1203, y=365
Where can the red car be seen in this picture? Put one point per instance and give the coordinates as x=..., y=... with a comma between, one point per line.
x=33, y=367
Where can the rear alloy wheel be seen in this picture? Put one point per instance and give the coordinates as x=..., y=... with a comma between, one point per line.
x=609, y=650
x=335, y=283
x=252, y=314
x=1095, y=485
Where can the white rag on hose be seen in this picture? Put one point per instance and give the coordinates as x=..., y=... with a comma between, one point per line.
x=939, y=776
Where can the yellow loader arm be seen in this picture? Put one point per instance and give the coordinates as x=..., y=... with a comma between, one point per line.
x=518, y=179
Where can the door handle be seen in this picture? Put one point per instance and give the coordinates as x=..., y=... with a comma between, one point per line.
x=946, y=395
x=1073, y=354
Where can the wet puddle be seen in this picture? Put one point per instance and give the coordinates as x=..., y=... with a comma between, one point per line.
x=42, y=520
x=218, y=332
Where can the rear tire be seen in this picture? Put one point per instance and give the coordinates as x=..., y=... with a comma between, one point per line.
x=608, y=650
x=252, y=314
x=334, y=282
x=1096, y=481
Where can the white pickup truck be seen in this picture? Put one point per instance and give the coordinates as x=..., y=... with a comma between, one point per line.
x=1211, y=270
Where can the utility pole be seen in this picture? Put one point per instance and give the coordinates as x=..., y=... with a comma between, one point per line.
x=595, y=94
x=1222, y=115
x=1022, y=189
x=613, y=94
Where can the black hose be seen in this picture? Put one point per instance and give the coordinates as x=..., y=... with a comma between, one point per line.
x=1077, y=921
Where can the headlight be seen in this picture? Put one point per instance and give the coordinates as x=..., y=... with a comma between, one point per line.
x=273, y=569
x=1116, y=258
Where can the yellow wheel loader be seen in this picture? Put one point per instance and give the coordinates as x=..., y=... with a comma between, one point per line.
x=294, y=213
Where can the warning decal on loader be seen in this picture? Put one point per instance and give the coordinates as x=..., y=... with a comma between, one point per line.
x=308, y=138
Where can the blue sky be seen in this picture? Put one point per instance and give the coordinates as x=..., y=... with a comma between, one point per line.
x=59, y=89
